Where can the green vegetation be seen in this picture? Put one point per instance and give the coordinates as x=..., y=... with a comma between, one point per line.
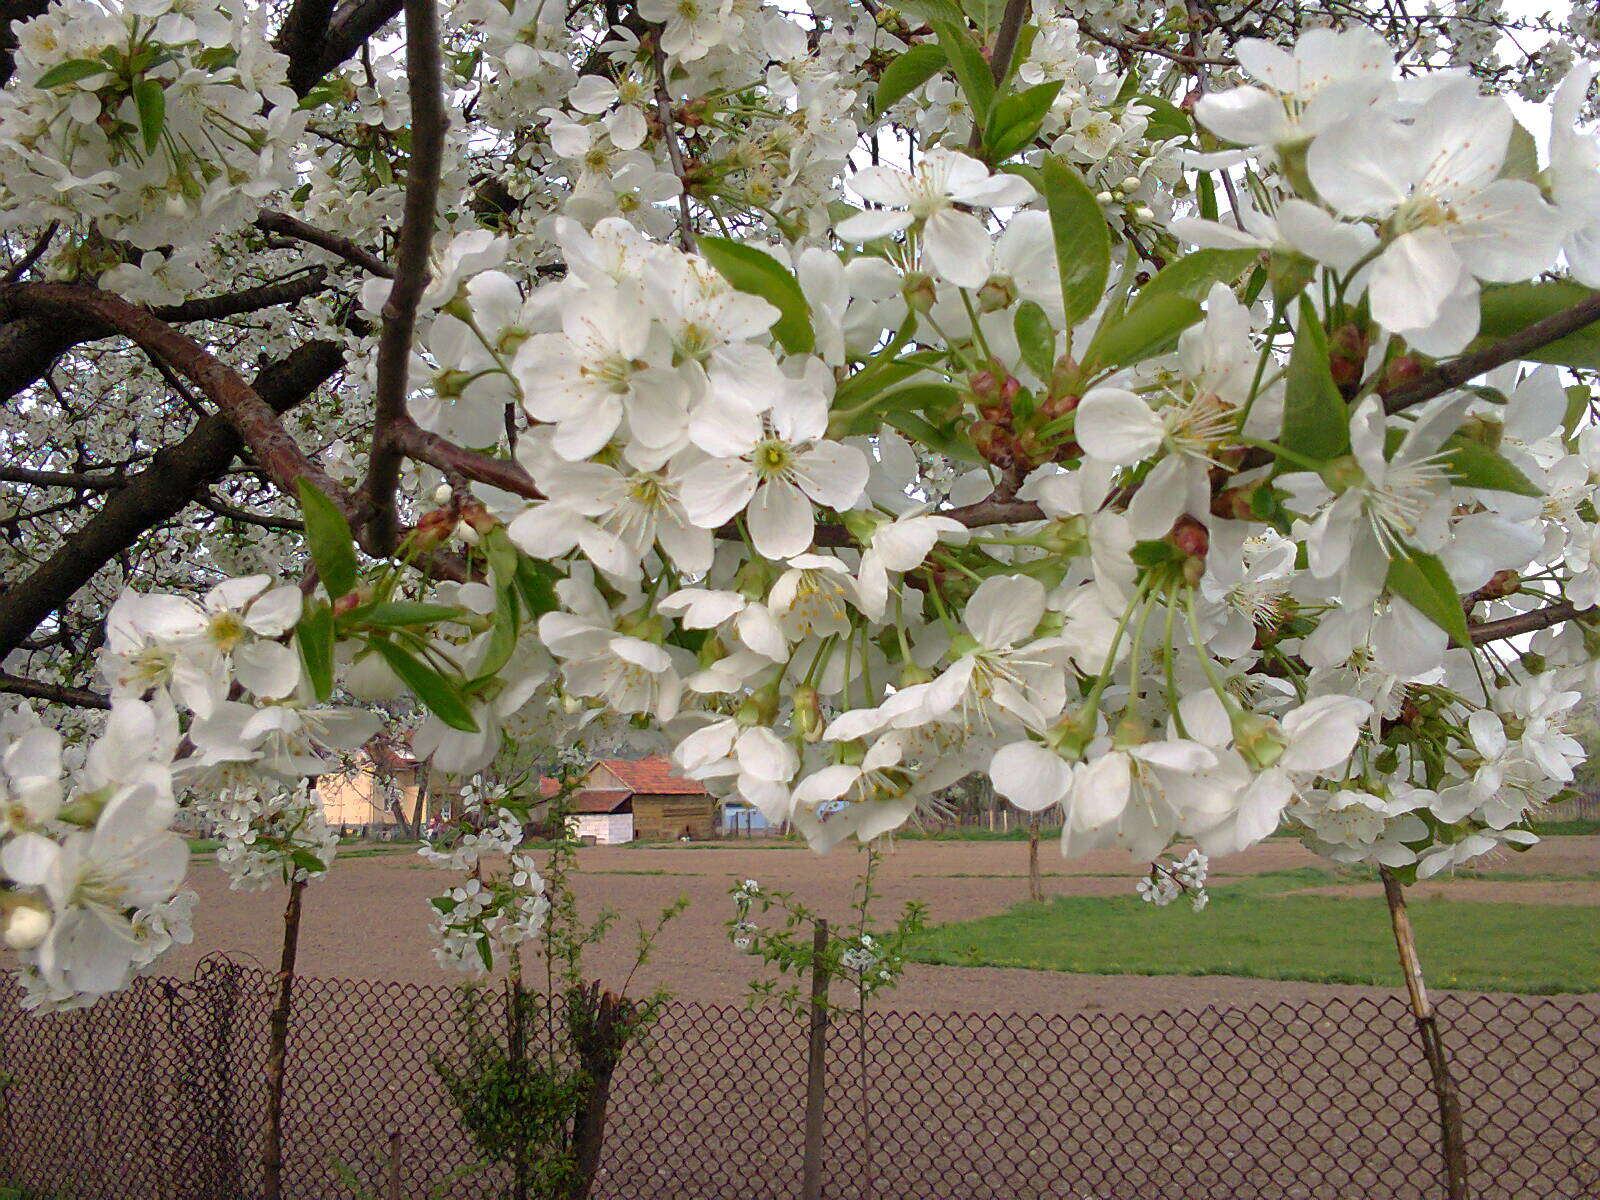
x=1260, y=928
x=1566, y=828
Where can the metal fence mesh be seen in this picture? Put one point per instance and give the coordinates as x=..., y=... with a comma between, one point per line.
x=160, y=1092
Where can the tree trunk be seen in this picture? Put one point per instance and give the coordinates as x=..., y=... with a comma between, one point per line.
x=1451, y=1140
x=816, y=1067
x=609, y=1025
x=272, y=1151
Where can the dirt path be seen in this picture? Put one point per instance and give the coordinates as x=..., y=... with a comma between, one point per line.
x=370, y=919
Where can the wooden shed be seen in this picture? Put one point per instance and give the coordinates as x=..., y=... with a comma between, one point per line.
x=665, y=807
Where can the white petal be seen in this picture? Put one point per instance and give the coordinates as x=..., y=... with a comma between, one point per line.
x=780, y=520
x=1116, y=426
x=1030, y=776
x=957, y=246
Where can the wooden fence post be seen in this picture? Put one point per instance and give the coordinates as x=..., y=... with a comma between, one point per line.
x=1451, y=1142
x=816, y=1066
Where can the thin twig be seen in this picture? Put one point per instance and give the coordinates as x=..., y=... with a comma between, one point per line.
x=282, y=223
x=425, y=79
x=55, y=693
x=669, y=132
x=1457, y=371
x=20, y=268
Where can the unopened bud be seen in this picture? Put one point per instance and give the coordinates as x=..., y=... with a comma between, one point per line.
x=442, y=493
x=997, y=292
x=919, y=291
x=24, y=922
x=808, y=713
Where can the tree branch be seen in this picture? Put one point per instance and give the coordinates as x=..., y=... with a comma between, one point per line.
x=352, y=24
x=1452, y=374
x=1526, y=622
x=293, y=227
x=275, y=450
x=55, y=693
x=424, y=76
x=155, y=495
x=669, y=132
x=418, y=443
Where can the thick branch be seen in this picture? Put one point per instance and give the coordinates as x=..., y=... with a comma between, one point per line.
x=352, y=24
x=275, y=450
x=424, y=77
x=55, y=693
x=293, y=227
x=30, y=344
x=301, y=37
x=1526, y=622
x=1457, y=371
x=416, y=442
x=174, y=476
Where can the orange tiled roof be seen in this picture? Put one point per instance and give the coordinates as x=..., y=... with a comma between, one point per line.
x=651, y=777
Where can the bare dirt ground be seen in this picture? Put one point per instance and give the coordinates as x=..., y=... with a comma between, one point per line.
x=369, y=919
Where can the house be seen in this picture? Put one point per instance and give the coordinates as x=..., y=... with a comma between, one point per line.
x=604, y=814
x=382, y=792
x=620, y=800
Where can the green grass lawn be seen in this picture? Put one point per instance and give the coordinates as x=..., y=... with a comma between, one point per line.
x=1261, y=929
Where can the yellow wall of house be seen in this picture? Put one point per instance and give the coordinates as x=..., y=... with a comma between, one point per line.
x=356, y=799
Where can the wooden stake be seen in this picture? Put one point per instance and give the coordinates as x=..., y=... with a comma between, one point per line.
x=1451, y=1140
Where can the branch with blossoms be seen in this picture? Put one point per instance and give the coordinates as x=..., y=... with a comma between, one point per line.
x=1197, y=460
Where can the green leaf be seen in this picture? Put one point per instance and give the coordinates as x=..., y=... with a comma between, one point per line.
x=307, y=861
x=906, y=74
x=1082, y=237
x=1193, y=275
x=431, y=688
x=1316, y=421
x=936, y=398
x=1475, y=465
x=1014, y=121
x=942, y=440
x=1166, y=120
x=932, y=11
x=758, y=273
x=971, y=68
x=985, y=14
x=151, y=102
x=332, y=545
x=1577, y=407
x=1513, y=307
x=1142, y=332
x=1036, y=339
x=1522, y=155
x=314, y=636
x=1153, y=553
x=536, y=586
x=71, y=71
x=398, y=614
x=1422, y=582
x=503, y=634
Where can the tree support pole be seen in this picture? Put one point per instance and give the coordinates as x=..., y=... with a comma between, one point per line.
x=1451, y=1141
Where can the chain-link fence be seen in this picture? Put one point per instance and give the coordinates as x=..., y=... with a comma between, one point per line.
x=160, y=1092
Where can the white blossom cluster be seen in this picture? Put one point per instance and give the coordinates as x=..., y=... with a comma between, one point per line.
x=90, y=870
x=1184, y=876
x=269, y=834
x=160, y=123
x=476, y=921
x=1027, y=427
